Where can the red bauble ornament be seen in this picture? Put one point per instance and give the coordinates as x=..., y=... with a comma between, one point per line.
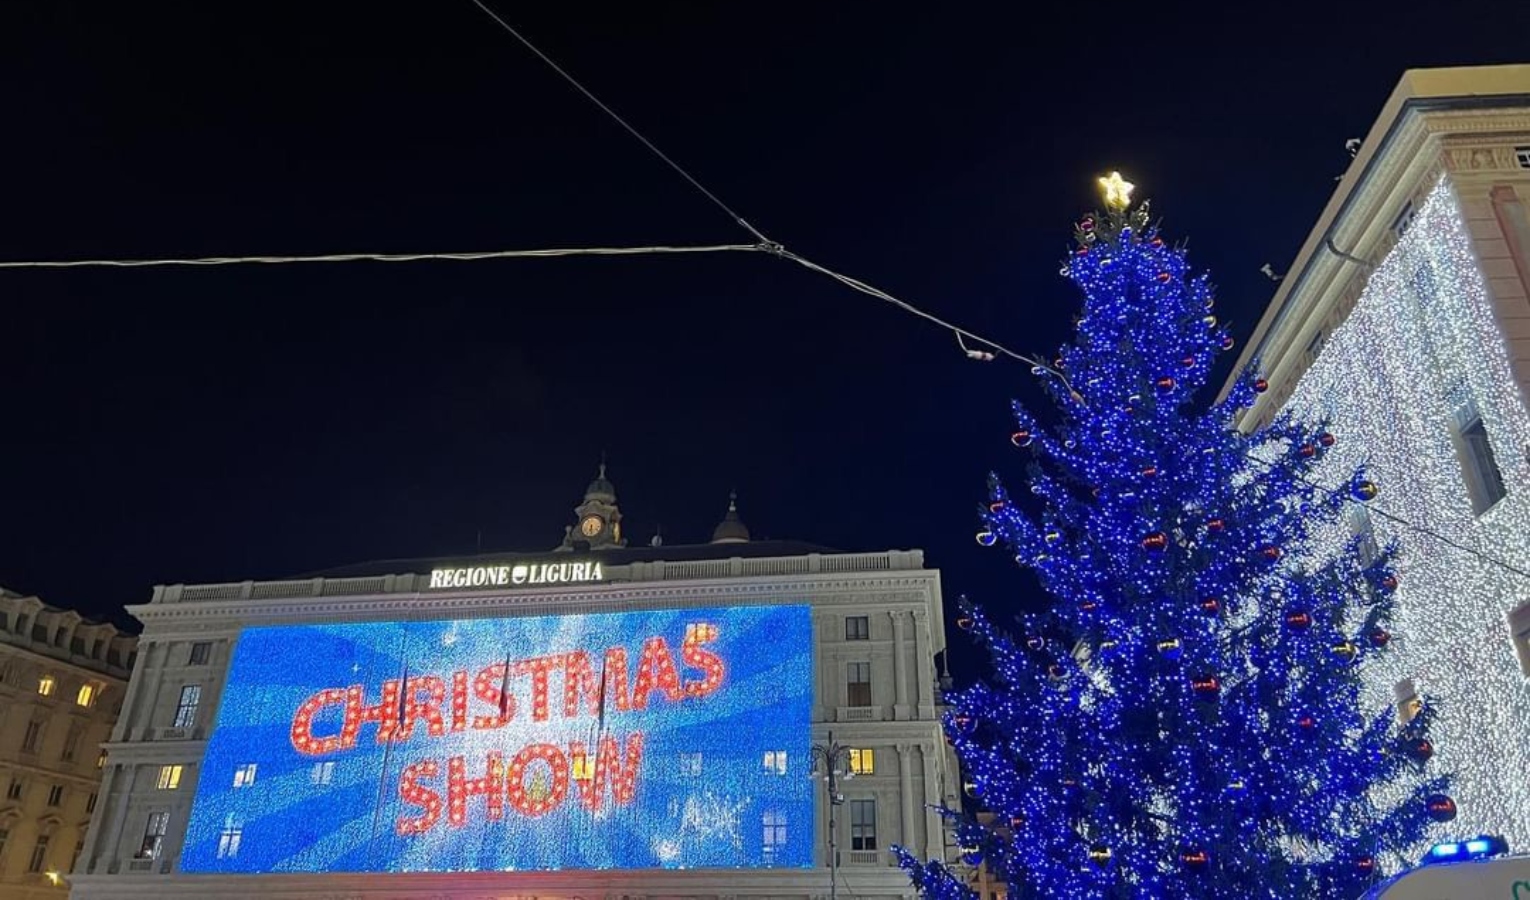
x=1164, y=384
x=1155, y=541
x=1227, y=342
x=1156, y=242
x=1188, y=362
x=1441, y=807
x=1211, y=606
x=1326, y=439
x=1365, y=865
x=1308, y=450
x=1389, y=582
x=1380, y=637
x=995, y=506
x=1150, y=471
x=1056, y=672
x=1420, y=749
x=1261, y=385
x=1086, y=223
x=964, y=623
x=1206, y=688
x=1216, y=525
x=1035, y=642
x=1082, y=251
x=1058, y=363
x=1194, y=858
x=1306, y=723
x=1271, y=552
x=1298, y=620
x=1163, y=277
x=1022, y=438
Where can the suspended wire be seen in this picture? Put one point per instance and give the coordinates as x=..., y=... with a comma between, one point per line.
x=373, y=257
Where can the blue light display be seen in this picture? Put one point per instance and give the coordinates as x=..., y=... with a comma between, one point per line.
x=655, y=739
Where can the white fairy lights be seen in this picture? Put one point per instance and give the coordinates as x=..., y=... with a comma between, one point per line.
x=1421, y=345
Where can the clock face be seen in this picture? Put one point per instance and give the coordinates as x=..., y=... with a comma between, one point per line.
x=591, y=526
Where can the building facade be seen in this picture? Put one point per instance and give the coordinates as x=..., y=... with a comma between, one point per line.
x=869, y=625
x=62, y=679
x=1405, y=323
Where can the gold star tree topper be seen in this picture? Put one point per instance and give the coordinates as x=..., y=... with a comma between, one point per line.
x=1118, y=191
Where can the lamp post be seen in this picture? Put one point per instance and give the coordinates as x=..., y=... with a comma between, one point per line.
x=835, y=756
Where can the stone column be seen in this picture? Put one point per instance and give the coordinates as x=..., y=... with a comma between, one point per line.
x=113, y=834
x=906, y=792
x=93, y=835
x=929, y=760
x=138, y=706
x=900, y=666
x=925, y=662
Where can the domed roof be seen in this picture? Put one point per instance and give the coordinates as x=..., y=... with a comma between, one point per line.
x=600, y=488
x=731, y=530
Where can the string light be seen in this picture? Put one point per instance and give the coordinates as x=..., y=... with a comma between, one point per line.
x=1421, y=344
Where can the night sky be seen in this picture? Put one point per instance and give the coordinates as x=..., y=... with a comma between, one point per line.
x=202, y=425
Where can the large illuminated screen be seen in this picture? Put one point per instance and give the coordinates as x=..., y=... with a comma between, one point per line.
x=664, y=738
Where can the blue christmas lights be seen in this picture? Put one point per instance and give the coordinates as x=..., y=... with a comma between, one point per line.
x=654, y=739
x=1184, y=722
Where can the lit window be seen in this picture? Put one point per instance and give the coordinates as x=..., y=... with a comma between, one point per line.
x=86, y=696
x=322, y=773
x=863, y=824
x=775, y=762
x=774, y=823
x=244, y=776
x=690, y=764
x=862, y=761
x=169, y=778
x=1479, y=467
x=228, y=838
x=186, y=708
x=56, y=795
x=858, y=684
x=46, y=684
x=857, y=628
x=1408, y=702
x=154, y=835
x=201, y=651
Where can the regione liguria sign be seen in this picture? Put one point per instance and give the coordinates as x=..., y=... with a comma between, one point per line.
x=516, y=574
x=671, y=738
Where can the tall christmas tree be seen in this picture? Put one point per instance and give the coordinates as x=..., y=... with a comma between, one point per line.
x=1185, y=721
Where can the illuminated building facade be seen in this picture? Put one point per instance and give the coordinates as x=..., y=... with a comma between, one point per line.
x=523, y=725
x=1405, y=322
x=62, y=679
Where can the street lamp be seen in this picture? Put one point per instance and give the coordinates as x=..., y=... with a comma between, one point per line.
x=834, y=756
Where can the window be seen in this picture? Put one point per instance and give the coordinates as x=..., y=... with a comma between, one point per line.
x=1484, y=480
x=5, y=837
x=90, y=804
x=16, y=790
x=33, y=737
x=1315, y=346
x=77, y=646
x=774, y=823
x=72, y=741
x=862, y=761
x=58, y=638
x=169, y=778
x=56, y=795
x=244, y=776
x=1364, y=532
x=228, y=838
x=858, y=682
x=690, y=764
x=39, y=854
x=1404, y=220
x=857, y=628
x=1519, y=626
x=154, y=835
x=775, y=762
x=186, y=709
x=201, y=651
x=1409, y=703
x=863, y=824
x=101, y=760
x=1522, y=157
x=86, y=696
x=39, y=632
x=322, y=773
x=46, y=684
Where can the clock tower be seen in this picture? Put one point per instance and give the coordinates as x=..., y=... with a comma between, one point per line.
x=598, y=520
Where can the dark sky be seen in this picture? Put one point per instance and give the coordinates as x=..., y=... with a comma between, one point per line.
x=219, y=424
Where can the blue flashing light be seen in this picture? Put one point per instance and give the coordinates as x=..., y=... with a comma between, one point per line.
x=1482, y=847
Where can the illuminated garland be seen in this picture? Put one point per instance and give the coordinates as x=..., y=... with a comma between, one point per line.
x=1186, y=721
x=1421, y=342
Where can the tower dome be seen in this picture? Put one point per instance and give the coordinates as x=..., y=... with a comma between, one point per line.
x=731, y=530
x=601, y=488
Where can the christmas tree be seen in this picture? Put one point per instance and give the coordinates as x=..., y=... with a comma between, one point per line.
x=1185, y=720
